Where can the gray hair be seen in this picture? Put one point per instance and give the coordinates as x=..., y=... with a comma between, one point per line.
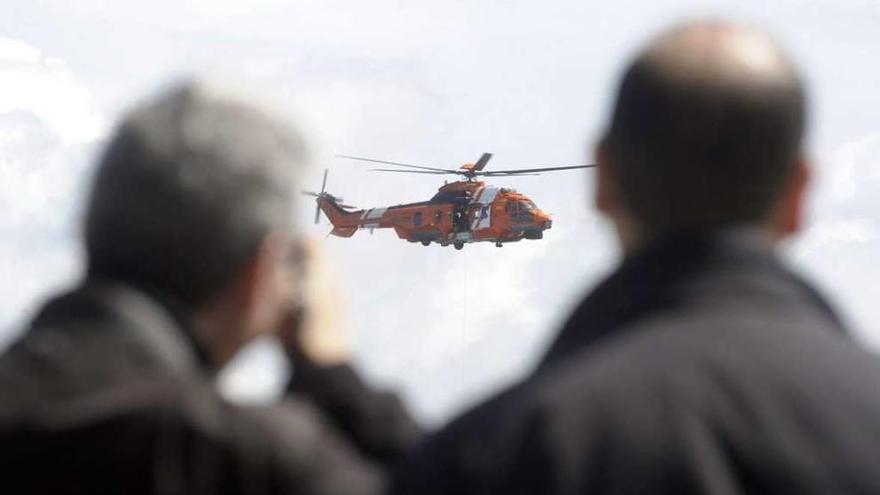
x=186, y=190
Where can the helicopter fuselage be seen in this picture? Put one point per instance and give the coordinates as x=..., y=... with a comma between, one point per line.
x=461, y=212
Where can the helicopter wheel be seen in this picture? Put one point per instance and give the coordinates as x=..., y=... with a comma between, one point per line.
x=458, y=245
x=498, y=244
x=426, y=243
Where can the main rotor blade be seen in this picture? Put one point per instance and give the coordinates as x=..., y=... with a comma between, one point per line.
x=412, y=171
x=317, y=213
x=324, y=184
x=309, y=193
x=531, y=170
x=420, y=167
x=494, y=174
x=481, y=163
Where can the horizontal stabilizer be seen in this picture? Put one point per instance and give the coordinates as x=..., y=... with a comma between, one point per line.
x=343, y=231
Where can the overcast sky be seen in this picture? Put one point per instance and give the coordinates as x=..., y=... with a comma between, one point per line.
x=430, y=82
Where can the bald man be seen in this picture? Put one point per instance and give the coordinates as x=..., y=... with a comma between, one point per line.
x=701, y=364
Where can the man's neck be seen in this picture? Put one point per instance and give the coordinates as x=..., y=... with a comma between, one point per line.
x=215, y=326
x=635, y=241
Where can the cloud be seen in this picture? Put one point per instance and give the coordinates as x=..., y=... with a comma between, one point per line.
x=41, y=180
x=841, y=247
x=460, y=327
x=31, y=81
x=47, y=133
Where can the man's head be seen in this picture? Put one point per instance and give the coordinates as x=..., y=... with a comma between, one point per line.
x=706, y=132
x=192, y=201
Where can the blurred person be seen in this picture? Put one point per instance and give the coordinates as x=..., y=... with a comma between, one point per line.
x=191, y=253
x=702, y=364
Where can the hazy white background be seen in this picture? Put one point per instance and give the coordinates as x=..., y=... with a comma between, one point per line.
x=431, y=82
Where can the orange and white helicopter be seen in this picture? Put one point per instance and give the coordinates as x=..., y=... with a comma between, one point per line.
x=461, y=212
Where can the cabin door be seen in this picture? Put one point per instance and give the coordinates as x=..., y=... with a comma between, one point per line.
x=482, y=218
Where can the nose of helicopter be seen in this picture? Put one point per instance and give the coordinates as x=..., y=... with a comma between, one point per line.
x=543, y=220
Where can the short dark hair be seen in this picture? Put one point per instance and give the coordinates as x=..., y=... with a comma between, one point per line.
x=702, y=135
x=186, y=190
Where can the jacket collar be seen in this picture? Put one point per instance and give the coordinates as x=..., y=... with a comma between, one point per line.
x=161, y=327
x=646, y=283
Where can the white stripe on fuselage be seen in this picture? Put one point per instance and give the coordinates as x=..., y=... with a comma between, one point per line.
x=375, y=213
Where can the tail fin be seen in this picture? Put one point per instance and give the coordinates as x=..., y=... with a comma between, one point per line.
x=344, y=222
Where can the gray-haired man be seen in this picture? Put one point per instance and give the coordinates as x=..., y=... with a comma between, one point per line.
x=189, y=245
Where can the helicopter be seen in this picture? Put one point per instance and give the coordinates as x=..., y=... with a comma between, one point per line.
x=461, y=212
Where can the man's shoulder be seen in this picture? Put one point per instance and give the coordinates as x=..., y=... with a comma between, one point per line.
x=99, y=336
x=91, y=378
x=158, y=424
x=684, y=353
x=708, y=368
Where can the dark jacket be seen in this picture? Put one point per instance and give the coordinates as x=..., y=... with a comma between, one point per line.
x=701, y=365
x=105, y=393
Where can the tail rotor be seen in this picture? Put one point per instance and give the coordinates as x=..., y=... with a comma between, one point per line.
x=325, y=195
x=317, y=203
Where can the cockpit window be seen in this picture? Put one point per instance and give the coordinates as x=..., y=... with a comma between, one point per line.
x=526, y=205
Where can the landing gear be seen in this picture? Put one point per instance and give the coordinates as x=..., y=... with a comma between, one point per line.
x=498, y=244
x=426, y=243
x=458, y=245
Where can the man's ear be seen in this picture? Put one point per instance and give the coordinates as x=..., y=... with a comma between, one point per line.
x=605, y=189
x=787, y=219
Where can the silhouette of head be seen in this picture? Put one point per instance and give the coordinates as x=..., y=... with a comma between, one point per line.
x=706, y=131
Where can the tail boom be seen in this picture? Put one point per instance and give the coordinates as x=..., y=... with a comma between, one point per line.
x=346, y=223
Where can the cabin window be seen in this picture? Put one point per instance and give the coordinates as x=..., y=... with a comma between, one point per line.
x=417, y=219
x=438, y=217
x=523, y=211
